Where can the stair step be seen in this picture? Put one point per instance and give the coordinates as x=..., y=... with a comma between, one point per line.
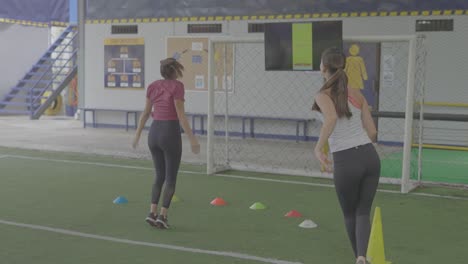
x=48, y=75
x=28, y=89
x=24, y=96
x=40, y=66
x=35, y=81
x=17, y=112
x=51, y=59
x=64, y=48
x=41, y=84
x=39, y=74
x=36, y=104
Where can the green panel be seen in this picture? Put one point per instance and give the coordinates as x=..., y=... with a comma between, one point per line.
x=302, y=46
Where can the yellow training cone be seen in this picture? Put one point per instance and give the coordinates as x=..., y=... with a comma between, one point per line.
x=175, y=199
x=375, y=250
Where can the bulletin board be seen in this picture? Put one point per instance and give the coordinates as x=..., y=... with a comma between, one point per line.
x=193, y=54
x=124, y=63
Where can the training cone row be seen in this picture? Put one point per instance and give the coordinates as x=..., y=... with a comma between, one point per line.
x=256, y=206
x=308, y=223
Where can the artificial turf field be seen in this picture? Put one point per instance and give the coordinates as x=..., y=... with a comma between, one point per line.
x=57, y=208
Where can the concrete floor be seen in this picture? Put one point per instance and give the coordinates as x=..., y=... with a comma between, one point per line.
x=68, y=134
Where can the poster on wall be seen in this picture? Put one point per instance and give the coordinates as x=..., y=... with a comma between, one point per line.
x=124, y=63
x=224, y=69
x=193, y=53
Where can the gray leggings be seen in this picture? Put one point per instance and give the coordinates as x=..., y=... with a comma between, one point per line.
x=356, y=175
x=165, y=144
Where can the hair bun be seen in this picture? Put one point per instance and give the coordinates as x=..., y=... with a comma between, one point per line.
x=167, y=61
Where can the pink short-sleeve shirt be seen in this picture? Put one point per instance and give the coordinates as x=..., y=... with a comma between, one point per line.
x=162, y=94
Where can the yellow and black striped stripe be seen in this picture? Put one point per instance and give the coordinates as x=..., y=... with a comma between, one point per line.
x=238, y=18
x=281, y=17
x=33, y=23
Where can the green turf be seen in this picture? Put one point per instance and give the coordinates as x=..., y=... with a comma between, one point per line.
x=21, y=246
x=443, y=166
x=449, y=166
x=79, y=197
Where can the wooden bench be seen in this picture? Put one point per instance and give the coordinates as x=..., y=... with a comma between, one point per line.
x=201, y=117
x=251, y=119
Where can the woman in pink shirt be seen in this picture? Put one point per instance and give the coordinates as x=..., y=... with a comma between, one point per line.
x=166, y=98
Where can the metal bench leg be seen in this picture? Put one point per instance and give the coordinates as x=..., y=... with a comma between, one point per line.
x=136, y=120
x=202, y=124
x=94, y=119
x=84, y=118
x=193, y=124
x=126, y=121
x=252, y=128
x=305, y=130
x=297, y=131
x=243, y=127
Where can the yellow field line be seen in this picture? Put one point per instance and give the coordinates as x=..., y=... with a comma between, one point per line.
x=432, y=146
x=446, y=104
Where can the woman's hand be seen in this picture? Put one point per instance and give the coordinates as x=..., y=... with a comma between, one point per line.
x=324, y=161
x=135, y=141
x=194, y=145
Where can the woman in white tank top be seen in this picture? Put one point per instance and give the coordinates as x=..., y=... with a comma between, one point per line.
x=349, y=129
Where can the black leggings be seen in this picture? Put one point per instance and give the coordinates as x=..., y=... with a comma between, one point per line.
x=165, y=144
x=356, y=175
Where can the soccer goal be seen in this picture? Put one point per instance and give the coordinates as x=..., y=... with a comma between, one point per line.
x=261, y=121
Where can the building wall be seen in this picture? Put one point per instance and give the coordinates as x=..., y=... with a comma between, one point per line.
x=20, y=48
x=290, y=94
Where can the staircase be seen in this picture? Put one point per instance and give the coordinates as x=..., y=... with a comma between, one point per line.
x=52, y=73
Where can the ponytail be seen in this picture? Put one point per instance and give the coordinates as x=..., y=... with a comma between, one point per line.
x=337, y=84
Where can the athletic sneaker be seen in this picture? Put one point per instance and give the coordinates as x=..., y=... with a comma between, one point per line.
x=151, y=219
x=161, y=222
x=362, y=262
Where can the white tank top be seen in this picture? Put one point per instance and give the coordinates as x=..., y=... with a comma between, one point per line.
x=348, y=133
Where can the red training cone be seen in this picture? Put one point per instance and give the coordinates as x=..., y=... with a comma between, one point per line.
x=218, y=202
x=293, y=213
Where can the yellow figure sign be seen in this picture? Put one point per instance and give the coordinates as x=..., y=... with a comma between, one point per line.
x=355, y=68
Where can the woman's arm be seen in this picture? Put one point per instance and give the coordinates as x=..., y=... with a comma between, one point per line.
x=143, y=118
x=180, y=109
x=368, y=121
x=330, y=117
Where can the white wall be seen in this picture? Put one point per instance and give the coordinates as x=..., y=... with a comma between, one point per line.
x=20, y=47
x=446, y=78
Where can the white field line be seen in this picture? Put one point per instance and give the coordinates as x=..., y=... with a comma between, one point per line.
x=148, y=244
x=111, y=165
